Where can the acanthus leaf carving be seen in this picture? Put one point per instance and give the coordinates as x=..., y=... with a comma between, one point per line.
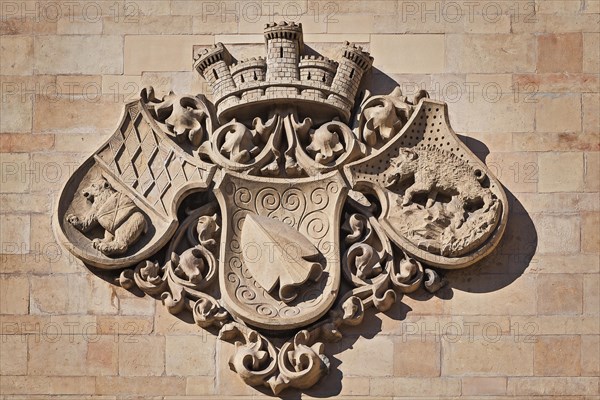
x=184, y=117
x=255, y=358
x=302, y=363
x=208, y=312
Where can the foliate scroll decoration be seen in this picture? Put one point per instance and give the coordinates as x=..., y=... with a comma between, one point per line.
x=282, y=145
x=185, y=118
x=278, y=214
x=383, y=117
x=328, y=147
x=183, y=283
x=239, y=147
x=300, y=363
x=377, y=271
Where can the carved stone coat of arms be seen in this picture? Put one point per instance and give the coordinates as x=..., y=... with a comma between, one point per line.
x=285, y=207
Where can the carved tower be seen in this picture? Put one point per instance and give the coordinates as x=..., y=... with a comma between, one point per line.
x=352, y=66
x=213, y=65
x=284, y=45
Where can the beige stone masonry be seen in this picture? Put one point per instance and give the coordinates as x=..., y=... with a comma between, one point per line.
x=522, y=86
x=171, y=52
x=427, y=53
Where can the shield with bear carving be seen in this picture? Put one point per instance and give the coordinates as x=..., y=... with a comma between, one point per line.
x=120, y=205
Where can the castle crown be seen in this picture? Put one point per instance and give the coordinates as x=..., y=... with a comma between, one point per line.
x=322, y=87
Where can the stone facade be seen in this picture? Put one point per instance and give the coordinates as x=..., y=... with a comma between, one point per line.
x=522, y=86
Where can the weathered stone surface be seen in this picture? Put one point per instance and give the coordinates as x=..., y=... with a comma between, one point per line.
x=591, y=119
x=558, y=113
x=190, y=355
x=491, y=358
x=417, y=357
x=25, y=143
x=102, y=356
x=428, y=50
x=515, y=299
x=590, y=234
x=48, y=385
x=490, y=53
x=552, y=386
x=407, y=387
x=519, y=172
x=14, y=355
x=68, y=114
x=63, y=54
x=379, y=363
x=127, y=326
x=558, y=234
x=15, y=233
x=558, y=356
x=591, y=295
x=12, y=24
x=560, y=172
x=21, y=50
x=172, y=53
x=142, y=356
x=200, y=386
x=78, y=26
x=49, y=295
x=590, y=355
x=556, y=263
x=558, y=82
x=523, y=113
x=483, y=386
x=140, y=385
x=202, y=25
x=560, y=53
x=591, y=54
x=62, y=355
x=554, y=325
x=134, y=305
x=559, y=294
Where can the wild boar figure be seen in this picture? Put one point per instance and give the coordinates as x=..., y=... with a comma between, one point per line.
x=438, y=172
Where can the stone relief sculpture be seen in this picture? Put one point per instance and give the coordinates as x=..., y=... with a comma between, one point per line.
x=280, y=207
x=121, y=219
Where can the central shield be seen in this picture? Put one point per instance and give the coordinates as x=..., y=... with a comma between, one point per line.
x=279, y=259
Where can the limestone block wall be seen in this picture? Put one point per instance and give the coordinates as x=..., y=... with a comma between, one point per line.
x=521, y=78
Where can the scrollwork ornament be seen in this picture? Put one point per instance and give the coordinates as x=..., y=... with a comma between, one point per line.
x=255, y=358
x=302, y=363
x=208, y=312
x=184, y=117
x=147, y=276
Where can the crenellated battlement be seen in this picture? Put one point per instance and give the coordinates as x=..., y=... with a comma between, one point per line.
x=314, y=68
x=285, y=75
x=211, y=56
x=250, y=70
x=357, y=55
x=284, y=30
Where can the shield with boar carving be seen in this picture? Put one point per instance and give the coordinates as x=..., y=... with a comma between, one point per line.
x=439, y=202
